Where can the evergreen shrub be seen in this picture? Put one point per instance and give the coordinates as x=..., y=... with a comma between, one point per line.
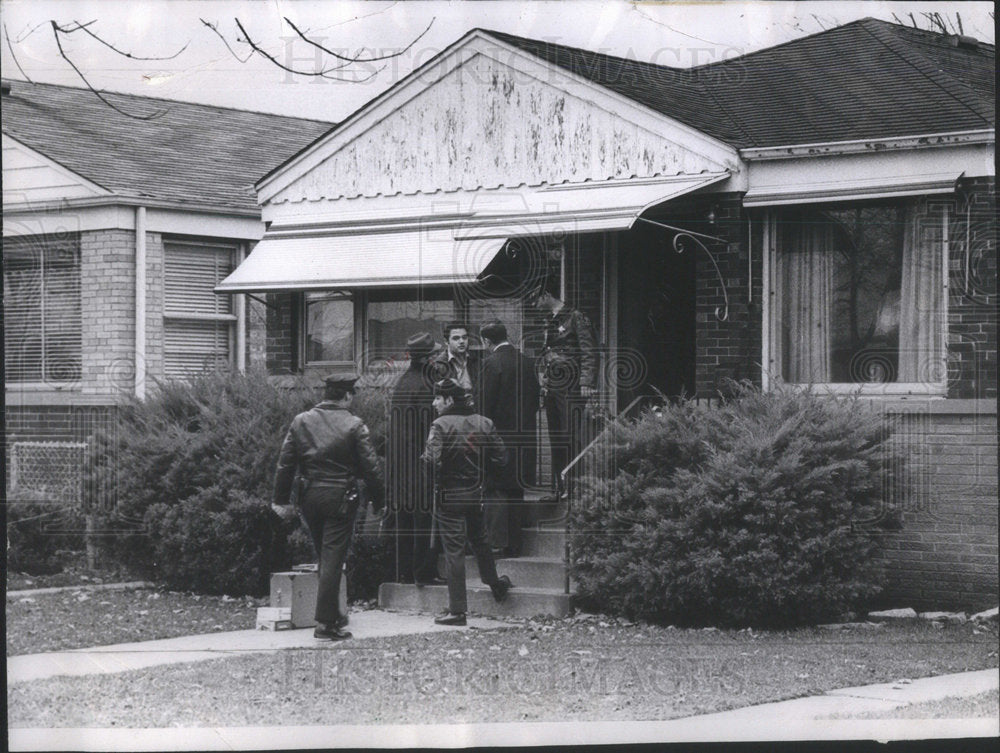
x=42, y=536
x=195, y=471
x=740, y=514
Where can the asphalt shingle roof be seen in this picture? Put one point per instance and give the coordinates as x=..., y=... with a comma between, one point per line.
x=192, y=154
x=866, y=79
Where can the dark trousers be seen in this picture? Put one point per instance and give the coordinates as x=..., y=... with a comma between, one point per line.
x=416, y=556
x=456, y=523
x=503, y=510
x=565, y=414
x=331, y=523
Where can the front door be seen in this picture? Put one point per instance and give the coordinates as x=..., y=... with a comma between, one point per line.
x=656, y=315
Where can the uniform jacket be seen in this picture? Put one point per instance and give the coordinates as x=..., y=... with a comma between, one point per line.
x=329, y=446
x=569, y=354
x=410, y=417
x=462, y=449
x=509, y=398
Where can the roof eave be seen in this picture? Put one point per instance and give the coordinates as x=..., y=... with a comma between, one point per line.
x=133, y=201
x=872, y=145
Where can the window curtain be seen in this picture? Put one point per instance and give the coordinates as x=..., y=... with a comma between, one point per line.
x=807, y=297
x=921, y=336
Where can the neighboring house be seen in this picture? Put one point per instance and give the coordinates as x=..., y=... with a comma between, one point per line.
x=833, y=198
x=115, y=232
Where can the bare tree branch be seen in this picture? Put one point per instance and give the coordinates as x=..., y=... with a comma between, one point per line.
x=56, y=31
x=84, y=28
x=359, y=59
x=14, y=55
x=28, y=32
x=256, y=48
x=215, y=28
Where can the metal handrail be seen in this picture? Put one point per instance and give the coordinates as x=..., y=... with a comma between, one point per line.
x=569, y=487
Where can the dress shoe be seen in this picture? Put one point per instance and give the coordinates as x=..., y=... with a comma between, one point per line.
x=450, y=619
x=501, y=587
x=331, y=633
x=430, y=582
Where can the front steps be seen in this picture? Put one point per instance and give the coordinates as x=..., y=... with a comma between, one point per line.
x=539, y=578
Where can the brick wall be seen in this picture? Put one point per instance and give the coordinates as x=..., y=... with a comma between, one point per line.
x=972, y=285
x=282, y=337
x=107, y=284
x=945, y=554
x=729, y=348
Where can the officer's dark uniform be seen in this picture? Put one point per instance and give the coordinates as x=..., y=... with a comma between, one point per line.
x=330, y=448
x=461, y=448
x=569, y=362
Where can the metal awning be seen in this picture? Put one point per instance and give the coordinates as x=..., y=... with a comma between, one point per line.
x=844, y=188
x=581, y=207
x=290, y=261
x=402, y=248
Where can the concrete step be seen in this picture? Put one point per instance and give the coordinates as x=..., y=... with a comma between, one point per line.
x=536, y=572
x=539, y=541
x=520, y=602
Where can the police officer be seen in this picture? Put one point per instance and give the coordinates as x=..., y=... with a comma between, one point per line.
x=329, y=448
x=461, y=449
x=568, y=377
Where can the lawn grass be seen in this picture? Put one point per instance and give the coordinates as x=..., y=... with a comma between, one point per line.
x=78, y=618
x=73, y=573
x=543, y=670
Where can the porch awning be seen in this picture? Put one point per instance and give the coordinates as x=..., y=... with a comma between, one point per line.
x=401, y=243
x=581, y=207
x=354, y=260
x=842, y=188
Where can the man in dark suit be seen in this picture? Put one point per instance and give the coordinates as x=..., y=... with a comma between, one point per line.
x=509, y=398
x=409, y=488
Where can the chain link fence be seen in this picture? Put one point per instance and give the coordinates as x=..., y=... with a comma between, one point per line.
x=52, y=469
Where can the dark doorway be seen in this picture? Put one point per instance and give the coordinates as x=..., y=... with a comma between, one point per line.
x=656, y=313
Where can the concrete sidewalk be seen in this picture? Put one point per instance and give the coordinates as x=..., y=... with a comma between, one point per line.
x=799, y=719
x=123, y=657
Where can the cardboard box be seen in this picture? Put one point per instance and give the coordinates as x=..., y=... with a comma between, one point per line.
x=274, y=618
x=296, y=590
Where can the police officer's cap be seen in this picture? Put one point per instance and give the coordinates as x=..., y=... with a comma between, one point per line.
x=343, y=379
x=420, y=344
x=449, y=388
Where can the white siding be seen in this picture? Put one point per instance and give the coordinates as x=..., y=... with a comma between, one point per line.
x=29, y=177
x=486, y=124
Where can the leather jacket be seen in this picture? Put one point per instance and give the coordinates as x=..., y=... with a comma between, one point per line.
x=462, y=448
x=569, y=354
x=328, y=446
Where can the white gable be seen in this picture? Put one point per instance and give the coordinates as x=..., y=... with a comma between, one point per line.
x=30, y=177
x=489, y=115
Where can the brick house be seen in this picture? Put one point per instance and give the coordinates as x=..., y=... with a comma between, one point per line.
x=832, y=197
x=116, y=229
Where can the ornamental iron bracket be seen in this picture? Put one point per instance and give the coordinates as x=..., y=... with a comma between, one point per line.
x=682, y=236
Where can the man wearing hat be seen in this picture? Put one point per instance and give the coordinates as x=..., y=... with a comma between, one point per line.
x=462, y=449
x=409, y=490
x=330, y=449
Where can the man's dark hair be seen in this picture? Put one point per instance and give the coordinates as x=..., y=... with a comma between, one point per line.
x=494, y=330
x=447, y=328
